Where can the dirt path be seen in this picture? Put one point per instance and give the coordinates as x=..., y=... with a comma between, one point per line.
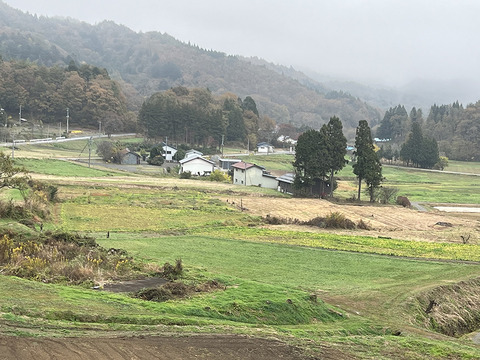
x=211, y=347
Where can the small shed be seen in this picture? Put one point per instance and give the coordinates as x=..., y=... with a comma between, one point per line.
x=128, y=157
x=285, y=183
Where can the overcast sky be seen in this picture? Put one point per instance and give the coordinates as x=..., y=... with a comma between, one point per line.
x=387, y=41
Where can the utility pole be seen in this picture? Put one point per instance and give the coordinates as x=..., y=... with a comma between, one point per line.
x=89, y=150
x=100, y=128
x=223, y=138
x=68, y=117
x=13, y=145
x=20, y=116
x=166, y=147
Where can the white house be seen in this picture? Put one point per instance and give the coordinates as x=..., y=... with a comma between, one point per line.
x=193, y=152
x=287, y=139
x=248, y=174
x=196, y=165
x=264, y=147
x=168, y=152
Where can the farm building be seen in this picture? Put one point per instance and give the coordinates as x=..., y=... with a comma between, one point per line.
x=248, y=174
x=226, y=164
x=192, y=152
x=264, y=147
x=128, y=157
x=196, y=165
x=285, y=183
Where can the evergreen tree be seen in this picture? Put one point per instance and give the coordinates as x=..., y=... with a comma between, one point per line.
x=310, y=165
x=367, y=165
x=337, y=148
x=235, y=126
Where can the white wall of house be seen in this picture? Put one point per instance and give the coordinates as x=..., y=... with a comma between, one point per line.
x=265, y=149
x=254, y=176
x=197, y=166
x=269, y=182
x=168, y=152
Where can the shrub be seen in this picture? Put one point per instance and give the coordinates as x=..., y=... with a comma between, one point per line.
x=386, y=194
x=337, y=220
x=172, y=272
x=157, y=160
x=219, y=176
x=186, y=175
x=403, y=200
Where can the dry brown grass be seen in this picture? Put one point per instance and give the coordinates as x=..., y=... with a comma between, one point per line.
x=385, y=220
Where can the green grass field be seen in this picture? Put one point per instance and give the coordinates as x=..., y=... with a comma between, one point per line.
x=356, y=293
x=61, y=168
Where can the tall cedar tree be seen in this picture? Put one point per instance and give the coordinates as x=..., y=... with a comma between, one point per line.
x=367, y=165
x=310, y=154
x=337, y=147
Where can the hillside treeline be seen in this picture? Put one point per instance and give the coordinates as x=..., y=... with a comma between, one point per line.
x=46, y=92
x=196, y=116
x=146, y=63
x=455, y=128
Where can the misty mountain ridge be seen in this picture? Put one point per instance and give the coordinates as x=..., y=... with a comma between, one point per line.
x=145, y=63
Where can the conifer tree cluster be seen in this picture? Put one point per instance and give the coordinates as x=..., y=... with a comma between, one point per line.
x=319, y=155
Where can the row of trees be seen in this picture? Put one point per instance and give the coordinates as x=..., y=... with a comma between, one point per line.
x=452, y=128
x=46, y=92
x=321, y=154
x=195, y=116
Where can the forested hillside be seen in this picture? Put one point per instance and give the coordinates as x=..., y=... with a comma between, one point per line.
x=455, y=128
x=44, y=93
x=145, y=63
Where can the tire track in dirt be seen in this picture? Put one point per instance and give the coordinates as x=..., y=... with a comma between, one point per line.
x=220, y=347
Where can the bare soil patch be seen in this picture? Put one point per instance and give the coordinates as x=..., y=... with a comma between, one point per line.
x=134, y=285
x=212, y=347
x=390, y=221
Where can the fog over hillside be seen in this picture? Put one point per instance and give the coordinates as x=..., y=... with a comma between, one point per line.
x=420, y=50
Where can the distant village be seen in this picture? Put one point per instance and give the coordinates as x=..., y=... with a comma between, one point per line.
x=244, y=173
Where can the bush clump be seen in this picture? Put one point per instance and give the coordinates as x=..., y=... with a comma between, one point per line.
x=186, y=175
x=172, y=271
x=403, y=200
x=63, y=258
x=220, y=176
x=337, y=220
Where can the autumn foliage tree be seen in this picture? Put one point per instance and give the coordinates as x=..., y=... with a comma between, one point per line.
x=45, y=93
